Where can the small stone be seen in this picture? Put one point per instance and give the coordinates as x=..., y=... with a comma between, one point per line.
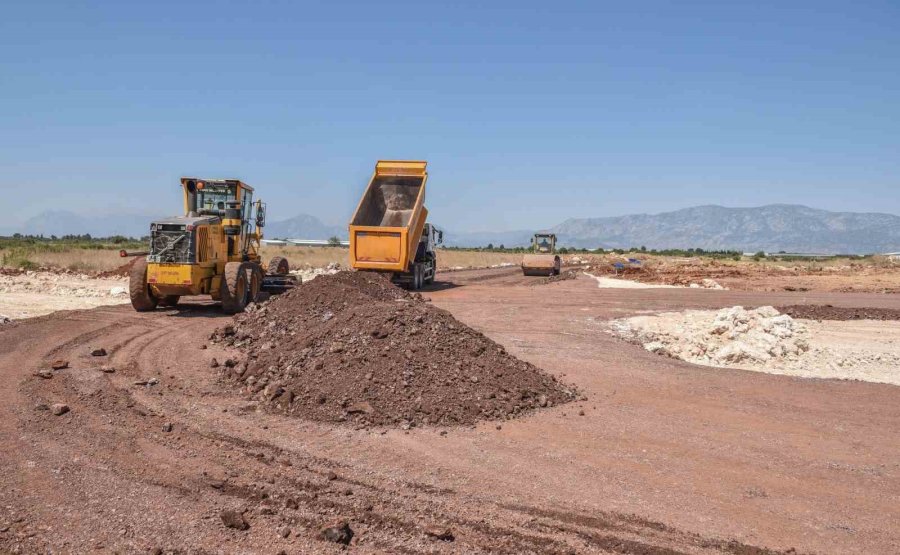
x=234, y=519
x=581, y=413
x=474, y=379
x=230, y=363
x=59, y=364
x=331, y=476
x=339, y=532
x=291, y=503
x=499, y=427
x=543, y=401
x=107, y=369
x=284, y=532
x=362, y=407
x=203, y=346
x=98, y=351
x=46, y=374
x=214, y=363
x=59, y=409
x=440, y=533
x=167, y=427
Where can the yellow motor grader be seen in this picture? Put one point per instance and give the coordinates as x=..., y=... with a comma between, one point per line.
x=212, y=250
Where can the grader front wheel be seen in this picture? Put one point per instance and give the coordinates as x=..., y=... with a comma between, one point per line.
x=236, y=287
x=141, y=298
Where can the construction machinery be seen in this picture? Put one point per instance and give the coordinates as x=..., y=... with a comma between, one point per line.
x=212, y=250
x=543, y=261
x=388, y=231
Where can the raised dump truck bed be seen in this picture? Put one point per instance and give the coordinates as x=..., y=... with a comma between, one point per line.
x=387, y=227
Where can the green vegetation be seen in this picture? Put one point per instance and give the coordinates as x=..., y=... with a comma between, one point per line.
x=21, y=251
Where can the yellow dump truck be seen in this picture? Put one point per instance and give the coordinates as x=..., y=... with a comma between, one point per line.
x=388, y=232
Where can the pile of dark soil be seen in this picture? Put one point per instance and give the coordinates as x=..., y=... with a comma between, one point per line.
x=828, y=312
x=122, y=271
x=353, y=347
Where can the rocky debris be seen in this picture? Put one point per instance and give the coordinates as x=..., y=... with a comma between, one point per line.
x=59, y=364
x=440, y=533
x=107, y=369
x=4, y=319
x=829, y=312
x=381, y=357
x=339, y=532
x=729, y=337
x=46, y=374
x=214, y=363
x=167, y=427
x=59, y=409
x=98, y=352
x=234, y=519
x=146, y=381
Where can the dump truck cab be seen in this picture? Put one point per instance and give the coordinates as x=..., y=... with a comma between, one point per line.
x=543, y=261
x=213, y=249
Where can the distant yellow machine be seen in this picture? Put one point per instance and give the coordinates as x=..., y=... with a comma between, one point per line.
x=212, y=250
x=544, y=261
x=388, y=232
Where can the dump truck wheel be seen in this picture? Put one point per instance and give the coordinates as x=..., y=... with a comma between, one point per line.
x=278, y=265
x=170, y=300
x=433, y=265
x=254, y=283
x=235, y=287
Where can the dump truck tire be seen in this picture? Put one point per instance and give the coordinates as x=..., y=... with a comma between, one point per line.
x=170, y=300
x=141, y=298
x=278, y=265
x=433, y=263
x=235, y=287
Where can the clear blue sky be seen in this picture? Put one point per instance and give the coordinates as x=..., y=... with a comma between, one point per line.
x=528, y=112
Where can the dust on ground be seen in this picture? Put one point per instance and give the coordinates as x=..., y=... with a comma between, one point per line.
x=765, y=340
x=876, y=275
x=26, y=294
x=352, y=347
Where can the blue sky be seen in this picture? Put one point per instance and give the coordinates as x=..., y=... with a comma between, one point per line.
x=528, y=112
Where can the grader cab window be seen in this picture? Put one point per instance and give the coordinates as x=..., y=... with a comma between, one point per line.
x=213, y=198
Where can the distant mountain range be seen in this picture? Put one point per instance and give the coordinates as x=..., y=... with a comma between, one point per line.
x=772, y=228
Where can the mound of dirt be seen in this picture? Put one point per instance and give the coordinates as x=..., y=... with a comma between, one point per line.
x=353, y=347
x=828, y=312
x=122, y=271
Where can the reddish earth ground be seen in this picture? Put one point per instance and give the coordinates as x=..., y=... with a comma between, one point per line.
x=664, y=457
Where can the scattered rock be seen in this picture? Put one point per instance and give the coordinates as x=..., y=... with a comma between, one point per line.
x=108, y=369
x=46, y=374
x=214, y=363
x=167, y=427
x=284, y=532
x=59, y=409
x=331, y=476
x=363, y=407
x=440, y=533
x=339, y=532
x=59, y=364
x=98, y=352
x=234, y=519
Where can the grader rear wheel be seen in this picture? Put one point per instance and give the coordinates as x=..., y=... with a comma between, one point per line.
x=141, y=298
x=236, y=287
x=278, y=265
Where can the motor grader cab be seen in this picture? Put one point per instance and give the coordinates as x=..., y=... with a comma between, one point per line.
x=213, y=249
x=543, y=261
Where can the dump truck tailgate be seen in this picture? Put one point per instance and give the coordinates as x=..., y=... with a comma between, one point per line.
x=387, y=225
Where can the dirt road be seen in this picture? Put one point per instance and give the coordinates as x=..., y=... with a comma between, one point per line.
x=663, y=457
